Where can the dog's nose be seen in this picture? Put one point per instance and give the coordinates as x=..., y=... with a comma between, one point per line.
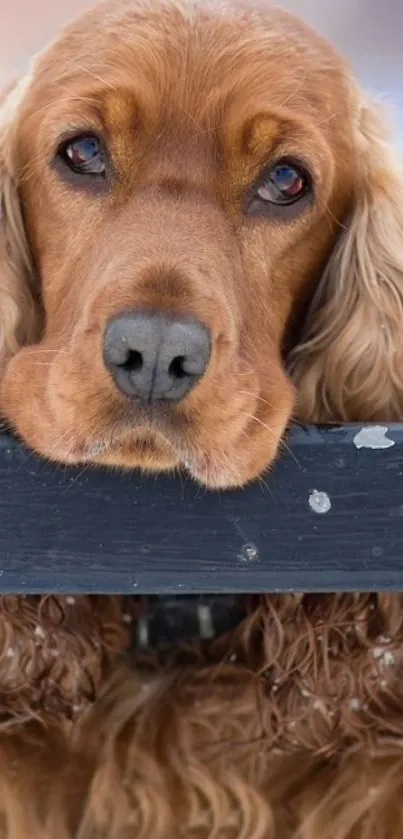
x=154, y=355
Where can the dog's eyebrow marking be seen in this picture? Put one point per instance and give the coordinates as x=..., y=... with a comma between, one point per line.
x=319, y=501
x=373, y=437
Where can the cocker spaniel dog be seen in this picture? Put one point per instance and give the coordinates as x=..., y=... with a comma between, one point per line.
x=201, y=239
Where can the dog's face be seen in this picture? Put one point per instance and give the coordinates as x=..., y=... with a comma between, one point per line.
x=183, y=176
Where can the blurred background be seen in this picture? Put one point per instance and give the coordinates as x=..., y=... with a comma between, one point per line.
x=368, y=32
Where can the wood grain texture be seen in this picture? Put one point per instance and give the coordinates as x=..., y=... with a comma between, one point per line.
x=328, y=516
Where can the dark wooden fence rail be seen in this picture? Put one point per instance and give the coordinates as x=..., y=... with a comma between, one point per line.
x=328, y=516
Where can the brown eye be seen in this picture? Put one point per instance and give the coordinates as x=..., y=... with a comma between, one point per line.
x=84, y=155
x=280, y=186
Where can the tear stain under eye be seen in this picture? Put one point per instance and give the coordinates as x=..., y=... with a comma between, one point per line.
x=373, y=437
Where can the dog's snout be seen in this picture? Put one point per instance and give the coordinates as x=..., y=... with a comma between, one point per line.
x=154, y=355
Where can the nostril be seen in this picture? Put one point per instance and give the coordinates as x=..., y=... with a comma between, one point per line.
x=156, y=355
x=133, y=362
x=177, y=367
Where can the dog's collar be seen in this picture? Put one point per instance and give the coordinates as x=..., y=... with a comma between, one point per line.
x=163, y=622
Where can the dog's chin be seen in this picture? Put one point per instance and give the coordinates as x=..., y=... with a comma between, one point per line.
x=211, y=473
x=149, y=452
x=153, y=453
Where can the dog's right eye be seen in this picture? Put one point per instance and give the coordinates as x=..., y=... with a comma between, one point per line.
x=84, y=155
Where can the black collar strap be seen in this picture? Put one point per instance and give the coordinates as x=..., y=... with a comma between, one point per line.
x=162, y=622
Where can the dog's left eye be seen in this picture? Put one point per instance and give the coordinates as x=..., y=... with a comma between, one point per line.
x=281, y=185
x=83, y=155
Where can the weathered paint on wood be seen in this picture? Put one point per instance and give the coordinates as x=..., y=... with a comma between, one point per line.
x=328, y=516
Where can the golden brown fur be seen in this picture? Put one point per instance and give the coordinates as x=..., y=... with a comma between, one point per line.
x=291, y=726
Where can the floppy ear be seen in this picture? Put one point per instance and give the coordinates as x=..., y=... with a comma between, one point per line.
x=349, y=363
x=18, y=310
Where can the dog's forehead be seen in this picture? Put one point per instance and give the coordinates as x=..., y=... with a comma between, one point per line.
x=193, y=53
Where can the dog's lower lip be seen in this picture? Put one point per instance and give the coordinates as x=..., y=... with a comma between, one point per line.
x=86, y=451
x=204, y=469
x=143, y=439
x=95, y=449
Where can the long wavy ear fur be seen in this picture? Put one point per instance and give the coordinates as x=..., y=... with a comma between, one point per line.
x=349, y=363
x=18, y=310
